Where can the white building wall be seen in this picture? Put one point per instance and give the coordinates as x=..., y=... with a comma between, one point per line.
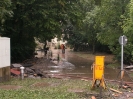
x=4, y=52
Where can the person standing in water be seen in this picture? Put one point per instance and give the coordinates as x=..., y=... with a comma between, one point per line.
x=63, y=48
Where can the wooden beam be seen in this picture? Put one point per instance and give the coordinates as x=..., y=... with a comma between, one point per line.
x=115, y=90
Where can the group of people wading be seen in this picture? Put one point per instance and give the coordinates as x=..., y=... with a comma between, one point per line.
x=46, y=49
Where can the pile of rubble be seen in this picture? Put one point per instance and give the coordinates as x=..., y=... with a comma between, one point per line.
x=28, y=71
x=32, y=68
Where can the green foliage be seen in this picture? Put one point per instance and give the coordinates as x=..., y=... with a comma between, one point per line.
x=92, y=27
x=5, y=10
x=78, y=41
x=102, y=26
x=35, y=18
x=128, y=31
x=93, y=24
x=109, y=17
x=85, y=38
x=112, y=17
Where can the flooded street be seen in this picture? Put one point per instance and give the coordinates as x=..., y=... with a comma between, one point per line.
x=72, y=64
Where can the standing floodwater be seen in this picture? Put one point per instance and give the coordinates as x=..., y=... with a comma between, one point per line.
x=71, y=64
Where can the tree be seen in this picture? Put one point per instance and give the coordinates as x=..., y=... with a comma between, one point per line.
x=31, y=19
x=35, y=18
x=75, y=28
x=87, y=33
x=111, y=22
x=92, y=27
x=6, y=12
x=128, y=31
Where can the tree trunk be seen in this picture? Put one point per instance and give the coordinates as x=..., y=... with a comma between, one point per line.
x=93, y=47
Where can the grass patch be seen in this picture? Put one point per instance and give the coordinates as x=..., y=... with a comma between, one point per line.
x=52, y=89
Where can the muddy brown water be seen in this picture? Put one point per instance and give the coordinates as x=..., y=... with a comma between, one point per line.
x=83, y=66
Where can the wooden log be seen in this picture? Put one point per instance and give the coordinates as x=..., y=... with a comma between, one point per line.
x=129, y=67
x=115, y=90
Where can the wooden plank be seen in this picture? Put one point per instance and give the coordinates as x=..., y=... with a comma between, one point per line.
x=15, y=72
x=115, y=90
x=4, y=74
